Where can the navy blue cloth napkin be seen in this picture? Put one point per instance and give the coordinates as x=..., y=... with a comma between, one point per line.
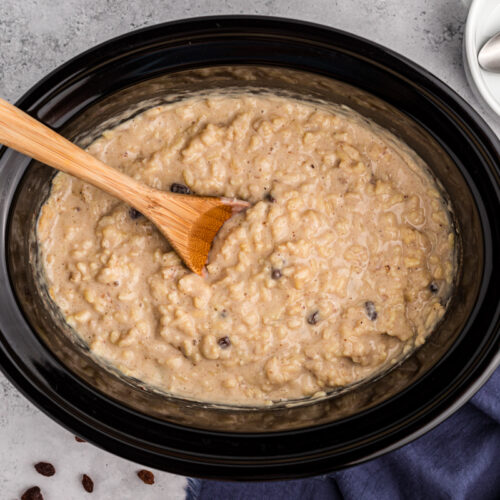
x=459, y=459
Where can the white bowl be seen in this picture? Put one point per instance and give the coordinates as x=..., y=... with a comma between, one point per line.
x=482, y=23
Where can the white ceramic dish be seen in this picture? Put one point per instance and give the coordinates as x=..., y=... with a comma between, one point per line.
x=482, y=23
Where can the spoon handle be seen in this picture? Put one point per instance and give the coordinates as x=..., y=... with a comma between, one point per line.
x=23, y=133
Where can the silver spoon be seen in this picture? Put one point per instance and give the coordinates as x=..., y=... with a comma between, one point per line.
x=489, y=55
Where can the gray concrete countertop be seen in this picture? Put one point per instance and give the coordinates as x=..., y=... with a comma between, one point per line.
x=38, y=35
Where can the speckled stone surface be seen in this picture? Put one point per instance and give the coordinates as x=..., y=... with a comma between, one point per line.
x=38, y=35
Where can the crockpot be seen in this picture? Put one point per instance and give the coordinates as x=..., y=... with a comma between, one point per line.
x=115, y=80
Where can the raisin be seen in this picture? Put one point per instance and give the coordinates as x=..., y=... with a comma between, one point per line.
x=45, y=469
x=133, y=213
x=370, y=310
x=270, y=198
x=276, y=274
x=79, y=440
x=433, y=287
x=224, y=342
x=180, y=188
x=87, y=483
x=32, y=493
x=313, y=318
x=146, y=476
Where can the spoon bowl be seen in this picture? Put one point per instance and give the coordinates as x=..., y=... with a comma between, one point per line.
x=489, y=55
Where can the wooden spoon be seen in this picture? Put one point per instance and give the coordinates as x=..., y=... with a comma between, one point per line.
x=189, y=223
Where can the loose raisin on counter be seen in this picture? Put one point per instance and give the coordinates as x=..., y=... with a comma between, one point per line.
x=32, y=493
x=275, y=274
x=45, y=469
x=180, y=188
x=224, y=342
x=133, y=213
x=371, y=312
x=433, y=287
x=87, y=483
x=146, y=476
x=313, y=318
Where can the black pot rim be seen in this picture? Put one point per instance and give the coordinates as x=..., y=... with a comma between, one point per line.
x=241, y=467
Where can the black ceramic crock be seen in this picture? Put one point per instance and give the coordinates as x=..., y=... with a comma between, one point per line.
x=166, y=62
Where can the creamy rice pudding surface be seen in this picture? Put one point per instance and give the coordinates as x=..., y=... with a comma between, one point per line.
x=342, y=265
